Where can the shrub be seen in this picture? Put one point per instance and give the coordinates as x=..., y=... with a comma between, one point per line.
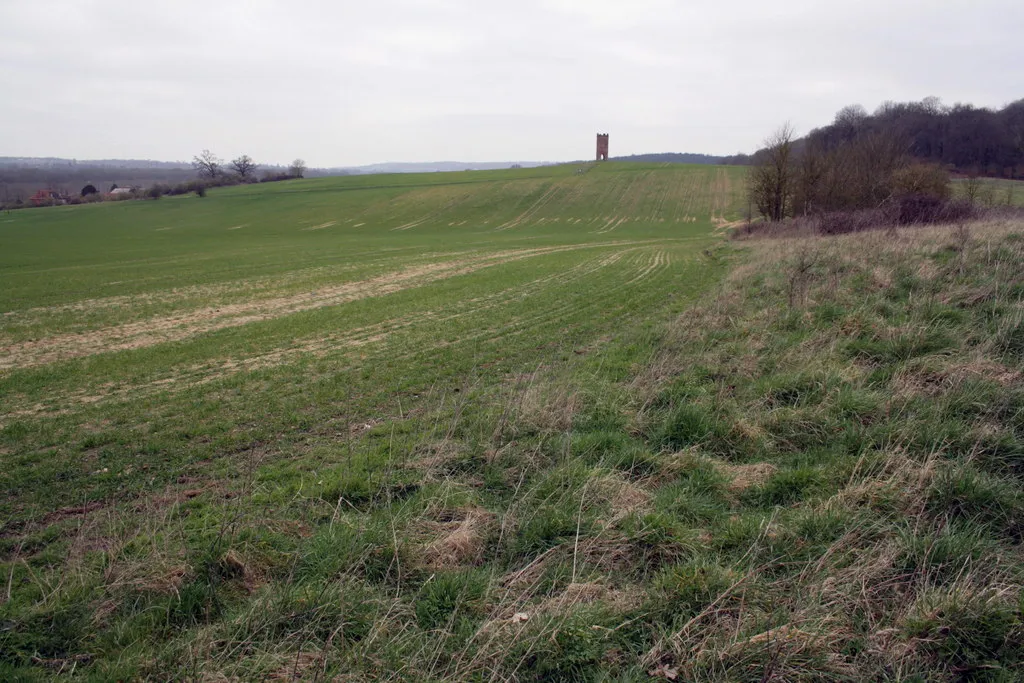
x=275, y=177
x=842, y=222
x=914, y=209
x=928, y=180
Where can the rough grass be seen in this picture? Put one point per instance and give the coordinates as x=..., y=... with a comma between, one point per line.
x=813, y=473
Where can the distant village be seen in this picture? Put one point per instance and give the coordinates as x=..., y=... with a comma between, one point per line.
x=57, y=198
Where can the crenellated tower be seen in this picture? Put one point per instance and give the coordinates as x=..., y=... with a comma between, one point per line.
x=602, y=146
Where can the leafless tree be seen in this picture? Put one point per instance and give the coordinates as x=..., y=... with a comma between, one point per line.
x=298, y=168
x=850, y=121
x=811, y=179
x=244, y=166
x=207, y=165
x=770, y=182
x=972, y=187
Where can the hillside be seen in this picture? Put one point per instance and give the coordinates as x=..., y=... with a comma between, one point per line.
x=192, y=381
x=533, y=424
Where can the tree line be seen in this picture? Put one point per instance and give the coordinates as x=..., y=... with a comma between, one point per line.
x=961, y=137
x=895, y=164
x=209, y=166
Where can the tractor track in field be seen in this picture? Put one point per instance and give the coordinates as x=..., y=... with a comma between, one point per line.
x=349, y=343
x=264, y=285
x=183, y=325
x=596, y=297
x=534, y=208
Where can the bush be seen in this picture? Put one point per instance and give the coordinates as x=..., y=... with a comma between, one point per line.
x=926, y=180
x=918, y=209
x=842, y=222
x=925, y=209
x=275, y=177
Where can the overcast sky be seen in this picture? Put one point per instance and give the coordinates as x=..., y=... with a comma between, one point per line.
x=348, y=82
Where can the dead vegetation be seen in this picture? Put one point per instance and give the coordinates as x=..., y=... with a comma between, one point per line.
x=459, y=539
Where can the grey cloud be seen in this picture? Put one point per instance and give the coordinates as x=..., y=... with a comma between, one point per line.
x=342, y=83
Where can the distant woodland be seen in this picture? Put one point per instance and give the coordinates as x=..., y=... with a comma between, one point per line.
x=963, y=138
x=892, y=167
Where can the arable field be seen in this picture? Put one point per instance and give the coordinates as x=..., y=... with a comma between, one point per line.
x=200, y=398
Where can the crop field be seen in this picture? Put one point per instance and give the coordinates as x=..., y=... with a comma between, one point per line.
x=373, y=278
x=193, y=379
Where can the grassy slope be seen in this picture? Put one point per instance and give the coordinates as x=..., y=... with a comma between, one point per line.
x=166, y=361
x=814, y=473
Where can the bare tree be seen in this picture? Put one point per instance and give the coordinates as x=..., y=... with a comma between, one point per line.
x=771, y=180
x=810, y=182
x=850, y=121
x=972, y=187
x=207, y=165
x=244, y=166
x=297, y=169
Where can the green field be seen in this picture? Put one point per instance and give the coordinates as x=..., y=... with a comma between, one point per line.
x=993, y=192
x=161, y=361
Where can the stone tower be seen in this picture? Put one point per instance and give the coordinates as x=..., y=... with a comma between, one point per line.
x=602, y=146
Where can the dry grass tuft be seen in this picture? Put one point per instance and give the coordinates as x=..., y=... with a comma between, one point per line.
x=303, y=666
x=619, y=600
x=547, y=408
x=743, y=477
x=623, y=497
x=459, y=541
x=163, y=578
x=432, y=457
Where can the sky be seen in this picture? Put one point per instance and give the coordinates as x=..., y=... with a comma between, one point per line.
x=344, y=83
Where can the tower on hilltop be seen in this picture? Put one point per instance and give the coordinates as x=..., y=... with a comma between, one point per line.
x=602, y=146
